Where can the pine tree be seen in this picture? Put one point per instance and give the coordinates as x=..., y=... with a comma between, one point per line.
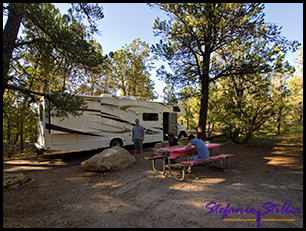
x=196, y=31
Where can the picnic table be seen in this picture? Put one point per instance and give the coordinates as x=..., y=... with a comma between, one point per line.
x=166, y=154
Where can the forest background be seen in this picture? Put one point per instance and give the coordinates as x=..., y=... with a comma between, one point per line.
x=252, y=88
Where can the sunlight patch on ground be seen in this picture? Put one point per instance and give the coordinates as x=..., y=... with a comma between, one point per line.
x=197, y=185
x=237, y=185
x=102, y=203
x=26, y=165
x=283, y=161
x=297, y=187
x=112, y=184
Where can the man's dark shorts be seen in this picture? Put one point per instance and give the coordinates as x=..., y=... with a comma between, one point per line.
x=137, y=144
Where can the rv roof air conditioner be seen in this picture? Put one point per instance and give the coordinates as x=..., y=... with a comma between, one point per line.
x=106, y=95
x=128, y=97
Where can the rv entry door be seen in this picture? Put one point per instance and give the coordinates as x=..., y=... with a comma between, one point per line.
x=169, y=124
x=174, y=123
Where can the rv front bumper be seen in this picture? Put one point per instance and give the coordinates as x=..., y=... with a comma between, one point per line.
x=38, y=147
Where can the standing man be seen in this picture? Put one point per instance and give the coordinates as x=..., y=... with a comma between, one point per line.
x=137, y=138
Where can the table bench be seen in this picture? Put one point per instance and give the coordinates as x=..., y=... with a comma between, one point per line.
x=188, y=163
x=166, y=154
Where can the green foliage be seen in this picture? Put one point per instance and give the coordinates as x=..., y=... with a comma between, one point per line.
x=95, y=81
x=93, y=13
x=56, y=41
x=249, y=101
x=129, y=69
x=280, y=92
x=10, y=121
x=62, y=101
x=295, y=86
x=189, y=97
x=194, y=26
x=169, y=94
x=43, y=59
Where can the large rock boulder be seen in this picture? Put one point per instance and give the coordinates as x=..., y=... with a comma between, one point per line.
x=111, y=158
x=11, y=181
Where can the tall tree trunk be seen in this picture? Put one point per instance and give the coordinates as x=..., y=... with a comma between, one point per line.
x=21, y=136
x=210, y=129
x=278, y=120
x=235, y=137
x=204, y=94
x=301, y=119
x=203, y=110
x=22, y=118
x=230, y=131
x=10, y=33
x=246, y=139
x=187, y=121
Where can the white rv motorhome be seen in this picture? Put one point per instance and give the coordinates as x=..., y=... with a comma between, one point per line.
x=106, y=122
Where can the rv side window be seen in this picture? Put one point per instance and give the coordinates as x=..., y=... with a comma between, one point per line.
x=150, y=116
x=176, y=109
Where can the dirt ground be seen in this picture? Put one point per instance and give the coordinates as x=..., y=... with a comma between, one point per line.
x=137, y=196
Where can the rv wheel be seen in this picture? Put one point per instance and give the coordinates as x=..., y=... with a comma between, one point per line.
x=116, y=142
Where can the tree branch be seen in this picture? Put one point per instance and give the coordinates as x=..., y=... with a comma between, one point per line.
x=26, y=91
x=18, y=44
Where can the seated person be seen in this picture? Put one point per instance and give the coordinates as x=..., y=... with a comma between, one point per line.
x=173, y=141
x=200, y=146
